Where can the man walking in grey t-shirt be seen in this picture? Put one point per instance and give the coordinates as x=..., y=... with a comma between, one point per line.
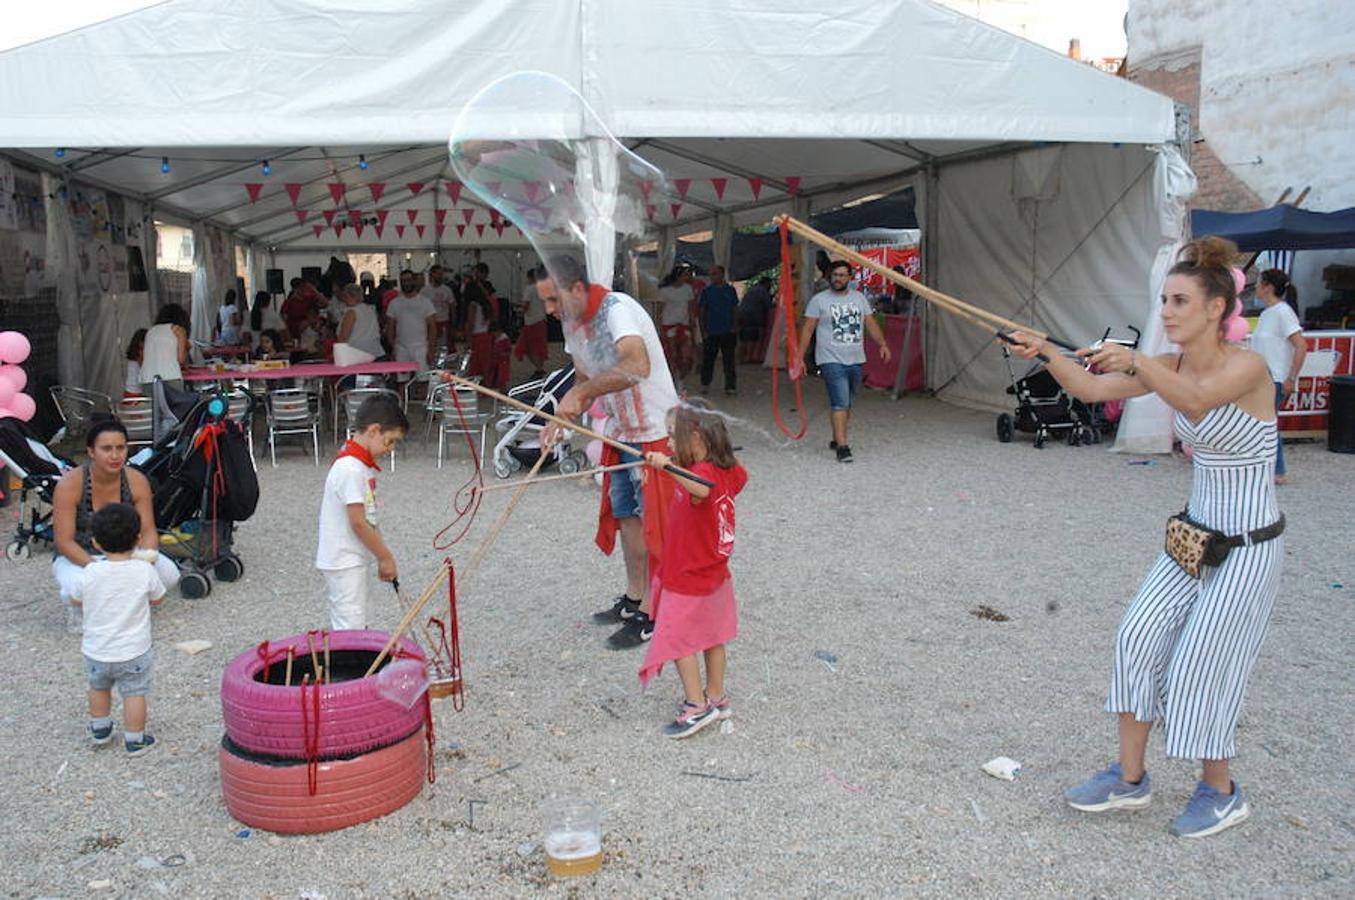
x=839, y=318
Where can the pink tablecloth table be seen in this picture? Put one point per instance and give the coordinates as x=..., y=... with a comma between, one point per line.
x=300, y=370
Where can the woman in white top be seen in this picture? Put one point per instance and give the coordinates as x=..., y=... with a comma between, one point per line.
x=166, y=348
x=1279, y=339
x=263, y=317
x=675, y=321
x=359, y=327
x=131, y=385
x=229, y=321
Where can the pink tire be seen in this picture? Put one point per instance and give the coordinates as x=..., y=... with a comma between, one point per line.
x=265, y=717
x=275, y=796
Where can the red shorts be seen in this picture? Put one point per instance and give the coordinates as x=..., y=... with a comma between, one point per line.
x=532, y=341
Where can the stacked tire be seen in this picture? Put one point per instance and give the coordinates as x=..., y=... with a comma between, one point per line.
x=339, y=755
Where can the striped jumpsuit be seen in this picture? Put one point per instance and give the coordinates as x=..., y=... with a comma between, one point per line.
x=1186, y=646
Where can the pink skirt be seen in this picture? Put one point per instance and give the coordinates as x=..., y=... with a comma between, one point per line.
x=688, y=623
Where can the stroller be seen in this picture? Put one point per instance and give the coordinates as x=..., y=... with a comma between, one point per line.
x=38, y=470
x=1044, y=408
x=519, y=443
x=202, y=482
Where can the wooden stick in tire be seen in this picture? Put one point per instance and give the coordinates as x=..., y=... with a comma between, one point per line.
x=407, y=619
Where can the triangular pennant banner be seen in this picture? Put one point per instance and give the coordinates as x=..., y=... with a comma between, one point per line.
x=329, y=216
x=499, y=226
x=454, y=191
x=336, y=189
x=358, y=228
x=719, y=185
x=317, y=229
x=793, y=185
x=532, y=189
x=646, y=187
x=650, y=209
x=411, y=215
x=756, y=185
x=675, y=209
x=253, y=188
x=338, y=230
x=467, y=215
x=414, y=188
x=381, y=219
x=440, y=216
x=683, y=185
x=293, y=191
x=480, y=229
x=420, y=229
x=440, y=229
x=377, y=188
x=399, y=231
x=301, y=215
x=494, y=217
x=355, y=216
x=461, y=231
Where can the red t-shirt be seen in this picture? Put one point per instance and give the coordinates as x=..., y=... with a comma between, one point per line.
x=700, y=533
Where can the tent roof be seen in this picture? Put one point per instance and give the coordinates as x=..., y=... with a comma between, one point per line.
x=1282, y=227
x=702, y=88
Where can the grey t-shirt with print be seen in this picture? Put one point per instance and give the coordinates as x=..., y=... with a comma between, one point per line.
x=840, y=334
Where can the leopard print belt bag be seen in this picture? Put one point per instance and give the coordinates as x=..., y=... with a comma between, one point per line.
x=1194, y=546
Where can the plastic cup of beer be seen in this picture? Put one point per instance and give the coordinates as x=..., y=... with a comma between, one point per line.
x=573, y=840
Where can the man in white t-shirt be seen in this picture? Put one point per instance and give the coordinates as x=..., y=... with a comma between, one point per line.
x=618, y=362
x=532, y=341
x=444, y=301
x=411, y=324
x=349, y=541
x=1279, y=339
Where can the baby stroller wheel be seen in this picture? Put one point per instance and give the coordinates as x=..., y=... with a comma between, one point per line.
x=503, y=467
x=569, y=465
x=18, y=550
x=229, y=568
x=195, y=586
x=1006, y=427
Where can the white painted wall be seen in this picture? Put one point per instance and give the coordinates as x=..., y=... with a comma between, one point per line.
x=1277, y=81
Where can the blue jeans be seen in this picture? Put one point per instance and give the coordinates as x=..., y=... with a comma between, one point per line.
x=842, y=381
x=625, y=489
x=1279, y=435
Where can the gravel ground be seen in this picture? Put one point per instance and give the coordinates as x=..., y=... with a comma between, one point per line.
x=867, y=694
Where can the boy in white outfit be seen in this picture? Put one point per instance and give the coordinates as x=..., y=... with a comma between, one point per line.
x=349, y=540
x=117, y=593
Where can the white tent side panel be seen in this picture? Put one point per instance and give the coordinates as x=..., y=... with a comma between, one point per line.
x=1060, y=238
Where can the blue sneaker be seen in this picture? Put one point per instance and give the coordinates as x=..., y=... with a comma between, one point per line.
x=137, y=748
x=1210, y=812
x=100, y=736
x=690, y=719
x=1106, y=790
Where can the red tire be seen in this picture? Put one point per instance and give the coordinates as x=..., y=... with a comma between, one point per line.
x=266, y=718
x=275, y=796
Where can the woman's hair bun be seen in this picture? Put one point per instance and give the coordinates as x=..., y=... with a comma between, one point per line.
x=1209, y=253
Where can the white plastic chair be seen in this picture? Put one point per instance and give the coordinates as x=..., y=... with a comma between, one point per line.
x=351, y=399
x=475, y=414
x=292, y=411
x=240, y=409
x=137, y=415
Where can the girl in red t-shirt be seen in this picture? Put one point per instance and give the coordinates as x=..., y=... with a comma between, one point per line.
x=692, y=591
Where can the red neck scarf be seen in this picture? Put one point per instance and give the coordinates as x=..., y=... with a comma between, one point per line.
x=596, y=294
x=357, y=451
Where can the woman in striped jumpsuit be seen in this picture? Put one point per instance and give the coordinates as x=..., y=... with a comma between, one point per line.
x=1186, y=646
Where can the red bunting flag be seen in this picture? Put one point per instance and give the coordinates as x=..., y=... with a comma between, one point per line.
x=467, y=215
x=420, y=229
x=494, y=217
x=378, y=228
x=675, y=209
x=253, y=188
x=499, y=226
x=399, y=231
x=411, y=215
x=532, y=189
x=454, y=191
x=646, y=187
x=650, y=209
x=329, y=215
x=355, y=216
x=756, y=185
x=440, y=216
x=338, y=230
x=719, y=185
x=683, y=185
x=461, y=231
x=293, y=191
x=336, y=189
x=439, y=228
x=480, y=229
x=301, y=215
x=381, y=219
x=377, y=188
x=793, y=185
x=414, y=187
x=318, y=229
x=357, y=226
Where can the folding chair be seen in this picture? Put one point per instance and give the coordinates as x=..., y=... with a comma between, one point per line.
x=461, y=411
x=137, y=415
x=292, y=411
x=76, y=405
x=351, y=399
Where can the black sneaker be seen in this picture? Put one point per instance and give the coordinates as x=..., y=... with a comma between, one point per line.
x=621, y=611
x=832, y=445
x=136, y=748
x=844, y=453
x=638, y=629
x=100, y=736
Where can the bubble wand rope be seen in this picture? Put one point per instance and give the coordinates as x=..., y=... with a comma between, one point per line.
x=975, y=314
x=473, y=485
x=410, y=615
x=571, y=426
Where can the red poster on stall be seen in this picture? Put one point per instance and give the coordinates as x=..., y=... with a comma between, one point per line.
x=907, y=257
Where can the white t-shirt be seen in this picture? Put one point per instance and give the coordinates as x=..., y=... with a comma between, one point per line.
x=349, y=481
x=132, y=383
x=637, y=413
x=160, y=354
x=1271, y=338
x=442, y=299
x=410, y=315
x=230, y=332
x=533, y=310
x=676, y=305
x=116, y=595
x=366, y=333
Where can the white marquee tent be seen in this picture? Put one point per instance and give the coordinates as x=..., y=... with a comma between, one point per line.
x=1047, y=191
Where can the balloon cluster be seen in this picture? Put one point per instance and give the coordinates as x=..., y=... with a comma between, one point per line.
x=14, y=403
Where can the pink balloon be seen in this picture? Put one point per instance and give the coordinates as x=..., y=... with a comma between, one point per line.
x=7, y=393
x=14, y=347
x=1235, y=330
x=6, y=414
x=23, y=406
x=16, y=376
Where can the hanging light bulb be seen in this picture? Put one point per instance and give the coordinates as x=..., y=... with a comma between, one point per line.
x=164, y=164
x=60, y=152
x=267, y=167
x=362, y=161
